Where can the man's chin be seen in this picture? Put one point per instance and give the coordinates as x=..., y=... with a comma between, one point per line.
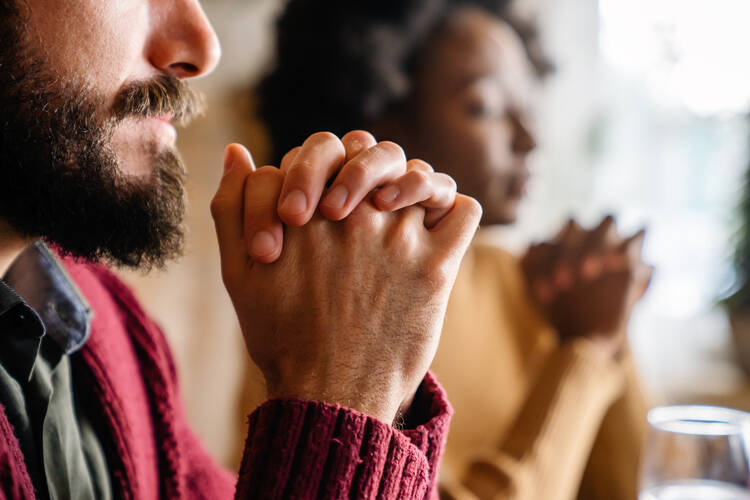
x=141, y=170
x=130, y=219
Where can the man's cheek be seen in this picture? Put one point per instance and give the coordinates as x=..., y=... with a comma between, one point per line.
x=90, y=42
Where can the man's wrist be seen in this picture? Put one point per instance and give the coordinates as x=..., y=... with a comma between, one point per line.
x=380, y=403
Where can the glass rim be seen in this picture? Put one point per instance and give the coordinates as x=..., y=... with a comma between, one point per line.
x=702, y=420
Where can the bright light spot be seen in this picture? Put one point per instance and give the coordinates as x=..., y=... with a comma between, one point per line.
x=689, y=52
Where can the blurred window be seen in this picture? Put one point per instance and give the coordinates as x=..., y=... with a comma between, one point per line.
x=646, y=118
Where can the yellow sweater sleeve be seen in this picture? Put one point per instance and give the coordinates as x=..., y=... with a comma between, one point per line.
x=544, y=454
x=613, y=467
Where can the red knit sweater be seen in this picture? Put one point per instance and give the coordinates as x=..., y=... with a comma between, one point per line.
x=294, y=448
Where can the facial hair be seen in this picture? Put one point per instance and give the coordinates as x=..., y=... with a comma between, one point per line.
x=60, y=178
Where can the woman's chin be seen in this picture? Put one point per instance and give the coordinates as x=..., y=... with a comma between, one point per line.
x=504, y=214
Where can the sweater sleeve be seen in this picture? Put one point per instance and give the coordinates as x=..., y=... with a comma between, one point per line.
x=545, y=451
x=295, y=448
x=310, y=449
x=613, y=467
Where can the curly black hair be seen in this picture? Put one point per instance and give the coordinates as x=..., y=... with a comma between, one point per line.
x=343, y=63
x=8, y=9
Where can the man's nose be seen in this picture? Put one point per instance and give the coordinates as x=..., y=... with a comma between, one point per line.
x=183, y=42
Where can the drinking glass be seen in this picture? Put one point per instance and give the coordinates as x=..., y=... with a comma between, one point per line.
x=696, y=453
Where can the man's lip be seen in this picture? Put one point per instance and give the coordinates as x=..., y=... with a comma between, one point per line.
x=164, y=118
x=164, y=127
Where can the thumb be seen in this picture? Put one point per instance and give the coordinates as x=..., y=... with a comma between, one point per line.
x=644, y=276
x=456, y=230
x=227, y=207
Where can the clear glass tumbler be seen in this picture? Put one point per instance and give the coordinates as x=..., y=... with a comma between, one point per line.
x=696, y=453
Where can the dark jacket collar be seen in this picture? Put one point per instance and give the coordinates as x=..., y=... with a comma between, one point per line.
x=39, y=289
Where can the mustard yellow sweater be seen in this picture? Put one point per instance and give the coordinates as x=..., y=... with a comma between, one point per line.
x=534, y=420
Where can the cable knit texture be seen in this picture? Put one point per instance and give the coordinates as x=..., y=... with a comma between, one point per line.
x=294, y=448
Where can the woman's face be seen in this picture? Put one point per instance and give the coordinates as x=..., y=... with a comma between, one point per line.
x=471, y=110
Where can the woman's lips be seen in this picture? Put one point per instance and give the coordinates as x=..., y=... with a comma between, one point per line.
x=517, y=184
x=517, y=189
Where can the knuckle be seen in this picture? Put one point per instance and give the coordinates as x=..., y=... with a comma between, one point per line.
x=402, y=241
x=267, y=171
x=300, y=169
x=356, y=172
x=361, y=136
x=393, y=148
x=473, y=208
x=310, y=235
x=404, y=237
x=262, y=188
x=290, y=155
x=364, y=217
x=322, y=138
x=417, y=164
x=449, y=182
x=318, y=225
x=257, y=205
x=419, y=177
x=218, y=206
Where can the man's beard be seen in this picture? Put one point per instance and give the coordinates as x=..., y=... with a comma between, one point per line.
x=60, y=178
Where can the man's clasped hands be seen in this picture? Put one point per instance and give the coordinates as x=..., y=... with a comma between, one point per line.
x=339, y=265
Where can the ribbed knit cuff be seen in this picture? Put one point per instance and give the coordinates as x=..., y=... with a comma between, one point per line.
x=311, y=449
x=431, y=414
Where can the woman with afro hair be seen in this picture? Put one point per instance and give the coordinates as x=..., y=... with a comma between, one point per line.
x=533, y=353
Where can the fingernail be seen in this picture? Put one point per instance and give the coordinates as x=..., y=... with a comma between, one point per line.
x=294, y=203
x=389, y=194
x=336, y=198
x=262, y=244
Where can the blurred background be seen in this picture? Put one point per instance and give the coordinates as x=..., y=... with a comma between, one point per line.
x=644, y=118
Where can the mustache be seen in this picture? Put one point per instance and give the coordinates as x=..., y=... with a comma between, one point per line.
x=162, y=96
